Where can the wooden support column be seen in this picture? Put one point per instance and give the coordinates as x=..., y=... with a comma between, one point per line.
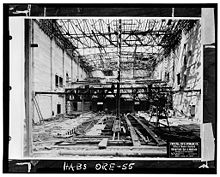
x=118, y=99
x=32, y=83
x=71, y=70
x=52, y=77
x=133, y=103
x=29, y=107
x=64, y=82
x=77, y=65
x=119, y=70
x=83, y=102
x=117, y=122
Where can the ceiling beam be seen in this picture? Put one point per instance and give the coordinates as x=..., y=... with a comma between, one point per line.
x=143, y=33
x=130, y=45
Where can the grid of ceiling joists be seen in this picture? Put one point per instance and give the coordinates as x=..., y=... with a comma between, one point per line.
x=97, y=41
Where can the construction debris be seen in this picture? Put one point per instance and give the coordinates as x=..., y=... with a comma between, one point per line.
x=93, y=130
x=103, y=143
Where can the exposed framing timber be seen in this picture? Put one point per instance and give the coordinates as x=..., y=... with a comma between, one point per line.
x=134, y=137
x=146, y=140
x=158, y=140
x=28, y=89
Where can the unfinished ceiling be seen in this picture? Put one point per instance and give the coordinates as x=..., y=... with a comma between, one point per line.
x=102, y=43
x=112, y=44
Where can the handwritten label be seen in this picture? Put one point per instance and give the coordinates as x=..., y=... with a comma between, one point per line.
x=73, y=167
x=113, y=166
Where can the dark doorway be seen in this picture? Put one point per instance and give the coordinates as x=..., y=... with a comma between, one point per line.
x=99, y=106
x=58, y=108
x=74, y=106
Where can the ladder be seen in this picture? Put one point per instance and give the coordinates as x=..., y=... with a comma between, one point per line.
x=38, y=110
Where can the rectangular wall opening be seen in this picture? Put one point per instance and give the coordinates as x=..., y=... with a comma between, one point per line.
x=58, y=108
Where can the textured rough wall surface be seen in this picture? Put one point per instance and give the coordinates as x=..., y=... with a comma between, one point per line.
x=190, y=70
x=184, y=63
x=50, y=60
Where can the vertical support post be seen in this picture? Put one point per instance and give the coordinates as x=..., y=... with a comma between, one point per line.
x=31, y=68
x=118, y=99
x=83, y=101
x=45, y=11
x=64, y=82
x=28, y=88
x=77, y=65
x=63, y=67
x=174, y=69
x=119, y=70
x=173, y=12
x=51, y=73
x=71, y=70
x=134, y=55
x=117, y=122
x=29, y=9
x=133, y=103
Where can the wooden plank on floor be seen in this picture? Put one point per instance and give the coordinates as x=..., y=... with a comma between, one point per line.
x=141, y=135
x=93, y=136
x=159, y=141
x=79, y=142
x=103, y=143
x=134, y=136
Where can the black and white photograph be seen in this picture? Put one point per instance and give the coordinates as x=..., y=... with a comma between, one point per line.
x=121, y=86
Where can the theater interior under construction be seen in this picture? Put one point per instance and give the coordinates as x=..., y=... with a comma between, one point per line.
x=112, y=87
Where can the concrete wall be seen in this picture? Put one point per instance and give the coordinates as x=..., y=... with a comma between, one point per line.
x=50, y=60
x=190, y=51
